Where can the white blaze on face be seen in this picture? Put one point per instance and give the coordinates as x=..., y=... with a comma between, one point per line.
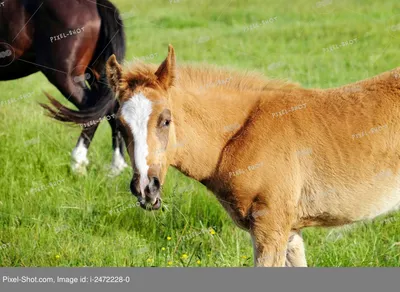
x=136, y=113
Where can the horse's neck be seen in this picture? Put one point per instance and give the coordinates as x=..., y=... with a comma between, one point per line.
x=204, y=123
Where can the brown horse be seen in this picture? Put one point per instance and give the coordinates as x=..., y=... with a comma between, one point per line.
x=69, y=42
x=297, y=157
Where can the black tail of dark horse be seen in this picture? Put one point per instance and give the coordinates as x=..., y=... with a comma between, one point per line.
x=112, y=37
x=100, y=100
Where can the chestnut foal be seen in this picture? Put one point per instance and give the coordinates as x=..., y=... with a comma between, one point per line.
x=295, y=157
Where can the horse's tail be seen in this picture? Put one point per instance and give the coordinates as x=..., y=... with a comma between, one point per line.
x=112, y=34
x=111, y=42
x=84, y=117
x=100, y=99
x=105, y=106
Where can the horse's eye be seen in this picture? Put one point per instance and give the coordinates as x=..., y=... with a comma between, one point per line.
x=166, y=123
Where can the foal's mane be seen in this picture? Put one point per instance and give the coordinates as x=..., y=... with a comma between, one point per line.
x=204, y=76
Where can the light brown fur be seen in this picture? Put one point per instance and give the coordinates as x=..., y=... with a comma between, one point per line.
x=277, y=172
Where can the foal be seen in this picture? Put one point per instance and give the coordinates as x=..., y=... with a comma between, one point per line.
x=295, y=157
x=298, y=158
x=158, y=109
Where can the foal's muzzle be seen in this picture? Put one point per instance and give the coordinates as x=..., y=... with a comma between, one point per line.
x=151, y=199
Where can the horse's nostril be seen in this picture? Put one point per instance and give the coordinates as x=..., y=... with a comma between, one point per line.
x=156, y=182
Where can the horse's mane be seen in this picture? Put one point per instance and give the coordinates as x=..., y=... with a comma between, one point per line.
x=200, y=77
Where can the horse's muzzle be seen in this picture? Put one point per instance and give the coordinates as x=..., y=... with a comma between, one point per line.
x=151, y=200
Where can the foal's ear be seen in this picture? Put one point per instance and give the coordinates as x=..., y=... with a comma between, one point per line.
x=166, y=72
x=114, y=73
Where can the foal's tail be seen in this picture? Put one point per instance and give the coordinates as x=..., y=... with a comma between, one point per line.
x=100, y=99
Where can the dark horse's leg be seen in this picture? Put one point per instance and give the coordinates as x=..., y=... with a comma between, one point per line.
x=80, y=151
x=63, y=59
x=118, y=162
x=65, y=49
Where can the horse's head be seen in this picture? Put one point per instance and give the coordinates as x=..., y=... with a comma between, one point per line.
x=144, y=118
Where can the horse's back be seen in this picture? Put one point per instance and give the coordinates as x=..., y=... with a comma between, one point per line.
x=336, y=151
x=352, y=170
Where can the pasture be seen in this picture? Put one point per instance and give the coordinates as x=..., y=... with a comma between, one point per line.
x=52, y=217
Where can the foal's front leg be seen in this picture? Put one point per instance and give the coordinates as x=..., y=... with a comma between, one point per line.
x=270, y=233
x=295, y=255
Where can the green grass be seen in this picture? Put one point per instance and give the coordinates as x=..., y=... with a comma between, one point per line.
x=93, y=220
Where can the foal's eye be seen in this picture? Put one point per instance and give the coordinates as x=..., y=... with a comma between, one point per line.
x=166, y=123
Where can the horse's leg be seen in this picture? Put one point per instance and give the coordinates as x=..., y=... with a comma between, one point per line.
x=270, y=233
x=295, y=255
x=64, y=62
x=79, y=154
x=76, y=94
x=118, y=162
x=79, y=160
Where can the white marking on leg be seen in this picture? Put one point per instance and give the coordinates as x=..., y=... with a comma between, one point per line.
x=295, y=256
x=79, y=157
x=136, y=112
x=118, y=162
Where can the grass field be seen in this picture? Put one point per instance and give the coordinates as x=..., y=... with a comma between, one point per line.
x=51, y=217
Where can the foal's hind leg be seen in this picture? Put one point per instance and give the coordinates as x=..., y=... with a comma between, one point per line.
x=295, y=254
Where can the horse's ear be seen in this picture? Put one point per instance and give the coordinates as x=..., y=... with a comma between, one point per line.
x=166, y=72
x=114, y=74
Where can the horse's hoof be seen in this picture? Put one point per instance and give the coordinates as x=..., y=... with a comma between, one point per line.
x=79, y=168
x=117, y=169
x=118, y=164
